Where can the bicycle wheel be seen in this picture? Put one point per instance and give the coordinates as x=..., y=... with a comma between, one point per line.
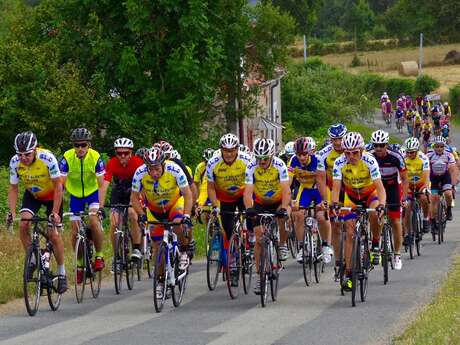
x=292, y=240
x=386, y=252
x=246, y=272
x=264, y=273
x=365, y=267
x=275, y=267
x=213, y=257
x=160, y=278
x=341, y=260
x=417, y=226
x=95, y=277
x=318, y=263
x=442, y=209
x=118, y=263
x=410, y=245
x=307, y=257
x=129, y=265
x=80, y=266
x=54, y=298
x=355, y=267
x=181, y=282
x=32, y=280
x=233, y=268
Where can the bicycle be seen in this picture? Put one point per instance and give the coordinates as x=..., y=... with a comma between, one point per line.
x=167, y=273
x=400, y=124
x=292, y=242
x=83, y=258
x=312, y=256
x=146, y=251
x=441, y=219
x=387, y=249
x=214, y=244
x=415, y=227
x=239, y=259
x=122, y=247
x=39, y=269
x=270, y=264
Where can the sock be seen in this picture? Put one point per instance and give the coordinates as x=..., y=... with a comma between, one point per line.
x=61, y=270
x=137, y=246
x=100, y=254
x=325, y=244
x=375, y=243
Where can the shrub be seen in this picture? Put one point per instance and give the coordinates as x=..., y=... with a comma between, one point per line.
x=425, y=84
x=356, y=62
x=454, y=98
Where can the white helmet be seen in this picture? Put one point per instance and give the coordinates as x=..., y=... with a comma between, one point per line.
x=229, y=141
x=352, y=141
x=446, y=104
x=385, y=93
x=174, y=155
x=379, y=137
x=123, y=143
x=243, y=148
x=25, y=142
x=411, y=144
x=289, y=148
x=439, y=140
x=264, y=147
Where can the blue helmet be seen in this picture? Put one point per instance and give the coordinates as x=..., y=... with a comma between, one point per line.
x=337, y=131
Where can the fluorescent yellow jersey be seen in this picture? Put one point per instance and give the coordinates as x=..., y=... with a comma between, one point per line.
x=415, y=168
x=357, y=180
x=202, y=182
x=427, y=127
x=326, y=158
x=267, y=182
x=38, y=176
x=163, y=194
x=228, y=179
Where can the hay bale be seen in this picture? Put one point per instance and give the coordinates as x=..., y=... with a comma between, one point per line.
x=452, y=57
x=408, y=68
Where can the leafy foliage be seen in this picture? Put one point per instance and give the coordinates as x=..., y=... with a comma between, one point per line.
x=425, y=84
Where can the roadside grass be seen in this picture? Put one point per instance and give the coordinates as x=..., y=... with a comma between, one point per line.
x=439, y=321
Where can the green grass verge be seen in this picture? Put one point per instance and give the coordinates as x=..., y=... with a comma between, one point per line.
x=439, y=321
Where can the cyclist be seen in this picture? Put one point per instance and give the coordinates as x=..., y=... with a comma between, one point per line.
x=394, y=178
x=168, y=197
x=38, y=169
x=245, y=149
x=303, y=168
x=83, y=172
x=326, y=159
x=288, y=152
x=140, y=152
x=384, y=98
x=446, y=111
x=120, y=169
x=266, y=190
x=418, y=171
x=426, y=133
x=443, y=174
x=417, y=124
x=359, y=174
x=410, y=115
x=426, y=106
x=225, y=172
x=445, y=132
x=401, y=103
x=436, y=117
x=388, y=107
x=201, y=182
x=399, y=115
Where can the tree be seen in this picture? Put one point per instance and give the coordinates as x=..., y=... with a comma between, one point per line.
x=358, y=19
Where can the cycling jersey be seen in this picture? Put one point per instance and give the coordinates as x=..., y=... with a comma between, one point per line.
x=357, y=180
x=326, y=158
x=38, y=176
x=163, y=194
x=388, y=107
x=391, y=165
x=81, y=173
x=267, y=187
x=415, y=168
x=228, y=179
x=122, y=175
x=447, y=110
x=201, y=180
x=439, y=164
x=187, y=171
x=304, y=174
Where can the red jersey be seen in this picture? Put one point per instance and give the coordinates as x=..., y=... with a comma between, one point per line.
x=115, y=170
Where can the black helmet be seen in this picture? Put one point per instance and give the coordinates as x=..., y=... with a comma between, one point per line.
x=81, y=134
x=25, y=141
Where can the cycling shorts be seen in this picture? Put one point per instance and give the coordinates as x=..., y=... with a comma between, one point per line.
x=394, y=196
x=264, y=208
x=441, y=182
x=175, y=212
x=32, y=205
x=79, y=204
x=227, y=219
x=354, y=202
x=305, y=196
x=118, y=196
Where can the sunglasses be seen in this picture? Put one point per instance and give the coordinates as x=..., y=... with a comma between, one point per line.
x=24, y=154
x=263, y=158
x=78, y=145
x=410, y=152
x=438, y=146
x=380, y=145
x=123, y=153
x=352, y=153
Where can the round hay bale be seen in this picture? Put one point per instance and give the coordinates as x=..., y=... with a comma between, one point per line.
x=452, y=57
x=408, y=68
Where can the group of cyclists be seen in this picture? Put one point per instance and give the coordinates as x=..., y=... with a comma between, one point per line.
x=158, y=186
x=423, y=118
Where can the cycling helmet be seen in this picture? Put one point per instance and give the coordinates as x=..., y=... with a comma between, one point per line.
x=81, y=134
x=243, y=148
x=289, y=148
x=446, y=126
x=208, y=153
x=163, y=146
x=141, y=151
x=264, y=147
x=229, y=141
x=174, y=154
x=25, y=142
x=446, y=104
x=123, y=143
x=154, y=156
x=379, y=137
x=337, y=131
x=369, y=147
x=439, y=140
x=352, y=141
x=412, y=144
x=385, y=93
x=434, y=109
x=305, y=145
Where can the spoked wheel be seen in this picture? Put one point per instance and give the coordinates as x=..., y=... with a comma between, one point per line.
x=410, y=246
x=143, y=265
x=275, y=270
x=341, y=267
x=307, y=257
x=234, y=266
x=365, y=267
x=95, y=277
x=292, y=242
x=181, y=282
x=416, y=222
x=32, y=280
x=213, y=257
x=160, y=279
x=129, y=264
x=318, y=263
x=386, y=253
x=80, y=268
x=356, y=268
x=54, y=298
x=264, y=272
x=441, y=220
x=118, y=263
x=246, y=273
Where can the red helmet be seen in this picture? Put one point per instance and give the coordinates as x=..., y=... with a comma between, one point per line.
x=305, y=145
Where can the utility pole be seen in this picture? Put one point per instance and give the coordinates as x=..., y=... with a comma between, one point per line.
x=420, y=58
x=304, y=48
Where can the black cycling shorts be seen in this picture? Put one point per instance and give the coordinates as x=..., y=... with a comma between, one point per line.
x=264, y=208
x=120, y=196
x=227, y=218
x=32, y=205
x=441, y=182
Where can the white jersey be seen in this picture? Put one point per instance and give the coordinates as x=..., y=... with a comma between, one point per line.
x=440, y=163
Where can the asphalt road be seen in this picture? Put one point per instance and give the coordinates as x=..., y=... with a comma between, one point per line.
x=302, y=315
